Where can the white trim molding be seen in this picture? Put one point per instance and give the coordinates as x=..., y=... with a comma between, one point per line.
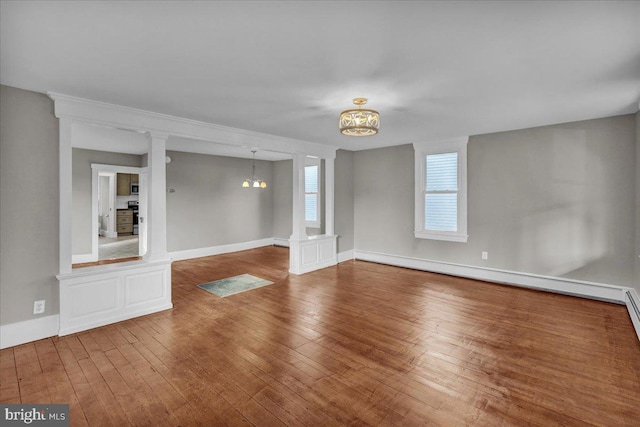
x=29, y=330
x=117, y=116
x=599, y=291
x=222, y=249
x=345, y=256
x=632, y=300
x=279, y=241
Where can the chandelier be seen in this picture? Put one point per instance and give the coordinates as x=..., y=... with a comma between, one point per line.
x=253, y=182
x=359, y=121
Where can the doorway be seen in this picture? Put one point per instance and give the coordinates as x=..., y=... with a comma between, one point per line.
x=118, y=196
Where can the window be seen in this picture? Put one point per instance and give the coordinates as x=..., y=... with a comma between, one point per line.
x=312, y=192
x=441, y=190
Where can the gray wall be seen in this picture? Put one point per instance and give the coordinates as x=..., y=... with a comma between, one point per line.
x=282, y=198
x=209, y=206
x=81, y=225
x=344, y=215
x=555, y=200
x=28, y=204
x=637, y=254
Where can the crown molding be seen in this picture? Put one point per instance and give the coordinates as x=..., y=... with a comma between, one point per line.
x=121, y=117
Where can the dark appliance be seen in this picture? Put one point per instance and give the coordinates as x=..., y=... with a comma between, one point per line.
x=133, y=205
x=134, y=188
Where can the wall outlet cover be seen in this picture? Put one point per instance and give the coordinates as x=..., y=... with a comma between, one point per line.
x=38, y=307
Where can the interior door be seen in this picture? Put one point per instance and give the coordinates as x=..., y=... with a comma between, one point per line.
x=142, y=213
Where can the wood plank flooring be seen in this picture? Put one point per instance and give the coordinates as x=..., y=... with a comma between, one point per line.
x=356, y=344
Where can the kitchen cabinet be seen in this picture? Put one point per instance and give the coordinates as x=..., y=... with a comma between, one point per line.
x=123, y=183
x=124, y=222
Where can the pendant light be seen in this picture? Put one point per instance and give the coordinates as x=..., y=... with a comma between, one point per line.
x=359, y=121
x=253, y=182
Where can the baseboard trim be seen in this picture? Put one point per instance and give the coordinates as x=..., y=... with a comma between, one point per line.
x=82, y=258
x=633, y=306
x=278, y=241
x=119, y=318
x=29, y=330
x=314, y=267
x=345, y=256
x=222, y=249
x=591, y=290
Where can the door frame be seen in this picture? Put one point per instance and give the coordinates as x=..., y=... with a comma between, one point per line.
x=112, y=170
x=110, y=231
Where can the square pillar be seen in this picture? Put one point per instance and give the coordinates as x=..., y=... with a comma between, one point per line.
x=157, y=197
x=65, y=185
x=329, y=192
x=310, y=253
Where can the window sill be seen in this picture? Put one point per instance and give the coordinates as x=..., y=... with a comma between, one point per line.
x=434, y=235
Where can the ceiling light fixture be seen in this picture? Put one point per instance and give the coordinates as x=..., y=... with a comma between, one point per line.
x=253, y=182
x=359, y=121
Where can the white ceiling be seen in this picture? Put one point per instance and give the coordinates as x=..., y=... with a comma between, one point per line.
x=433, y=69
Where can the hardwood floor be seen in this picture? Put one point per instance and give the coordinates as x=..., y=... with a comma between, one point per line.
x=359, y=343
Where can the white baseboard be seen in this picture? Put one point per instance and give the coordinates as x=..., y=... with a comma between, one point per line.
x=278, y=241
x=222, y=249
x=114, y=319
x=82, y=258
x=30, y=330
x=345, y=256
x=599, y=291
x=633, y=306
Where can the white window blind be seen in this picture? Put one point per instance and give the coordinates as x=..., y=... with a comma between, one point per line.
x=441, y=192
x=311, y=195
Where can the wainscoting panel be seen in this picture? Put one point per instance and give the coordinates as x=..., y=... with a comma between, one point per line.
x=145, y=288
x=96, y=296
x=312, y=253
x=309, y=255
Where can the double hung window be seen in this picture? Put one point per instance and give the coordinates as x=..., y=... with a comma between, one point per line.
x=441, y=190
x=312, y=192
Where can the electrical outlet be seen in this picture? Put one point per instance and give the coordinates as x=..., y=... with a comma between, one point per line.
x=485, y=255
x=38, y=307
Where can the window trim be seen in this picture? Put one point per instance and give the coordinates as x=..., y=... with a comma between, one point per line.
x=315, y=161
x=422, y=150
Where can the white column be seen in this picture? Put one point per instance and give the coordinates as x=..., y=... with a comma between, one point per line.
x=65, y=183
x=329, y=196
x=299, y=231
x=157, y=197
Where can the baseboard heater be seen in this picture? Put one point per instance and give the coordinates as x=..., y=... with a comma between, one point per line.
x=633, y=309
x=633, y=304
